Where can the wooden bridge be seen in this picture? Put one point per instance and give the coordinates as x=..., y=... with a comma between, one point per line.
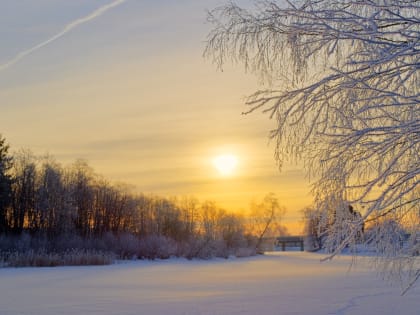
x=290, y=241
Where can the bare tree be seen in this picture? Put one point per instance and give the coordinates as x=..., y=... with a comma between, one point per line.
x=50, y=197
x=5, y=184
x=210, y=217
x=24, y=214
x=80, y=179
x=265, y=217
x=344, y=89
x=189, y=207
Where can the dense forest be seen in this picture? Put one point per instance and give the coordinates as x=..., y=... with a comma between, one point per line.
x=53, y=215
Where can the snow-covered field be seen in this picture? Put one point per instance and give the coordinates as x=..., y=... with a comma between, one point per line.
x=278, y=283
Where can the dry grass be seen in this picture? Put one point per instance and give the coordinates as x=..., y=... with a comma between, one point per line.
x=74, y=257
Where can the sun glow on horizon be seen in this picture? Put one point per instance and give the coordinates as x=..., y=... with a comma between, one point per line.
x=225, y=164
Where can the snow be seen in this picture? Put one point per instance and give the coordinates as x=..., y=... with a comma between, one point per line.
x=276, y=283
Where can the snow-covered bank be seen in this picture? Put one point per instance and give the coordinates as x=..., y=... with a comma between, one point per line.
x=279, y=283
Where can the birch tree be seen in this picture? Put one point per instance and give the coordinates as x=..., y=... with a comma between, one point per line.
x=342, y=82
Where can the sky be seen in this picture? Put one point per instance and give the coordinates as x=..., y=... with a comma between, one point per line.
x=123, y=84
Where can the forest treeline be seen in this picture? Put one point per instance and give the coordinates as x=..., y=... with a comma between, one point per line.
x=47, y=210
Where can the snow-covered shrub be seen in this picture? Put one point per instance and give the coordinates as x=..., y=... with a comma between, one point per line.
x=155, y=246
x=127, y=246
x=245, y=251
x=23, y=243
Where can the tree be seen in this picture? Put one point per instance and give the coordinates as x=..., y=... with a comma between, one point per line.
x=343, y=81
x=81, y=191
x=189, y=209
x=24, y=213
x=313, y=228
x=5, y=183
x=265, y=218
x=210, y=217
x=320, y=225
x=50, y=198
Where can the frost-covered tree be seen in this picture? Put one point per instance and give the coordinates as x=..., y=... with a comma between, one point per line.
x=343, y=84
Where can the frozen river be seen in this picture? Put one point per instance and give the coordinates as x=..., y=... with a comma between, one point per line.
x=280, y=283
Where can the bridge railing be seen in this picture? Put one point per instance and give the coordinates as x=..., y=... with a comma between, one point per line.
x=290, y=241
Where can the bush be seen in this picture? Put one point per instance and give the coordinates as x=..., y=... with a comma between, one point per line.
x=38, y=250
x=157, y=247
x=245, y=252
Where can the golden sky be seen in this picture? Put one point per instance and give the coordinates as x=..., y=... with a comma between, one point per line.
x=127, y=89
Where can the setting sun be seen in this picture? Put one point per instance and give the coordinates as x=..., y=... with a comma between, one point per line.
x=225, y=164
x=172, y=133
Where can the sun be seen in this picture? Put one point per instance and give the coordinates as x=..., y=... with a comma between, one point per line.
x=225, y=164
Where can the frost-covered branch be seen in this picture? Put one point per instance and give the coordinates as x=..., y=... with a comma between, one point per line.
x=344, y=88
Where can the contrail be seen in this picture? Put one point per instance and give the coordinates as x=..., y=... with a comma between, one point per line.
x=98, y=12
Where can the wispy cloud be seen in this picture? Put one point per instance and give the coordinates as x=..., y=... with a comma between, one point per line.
x=97, y=13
